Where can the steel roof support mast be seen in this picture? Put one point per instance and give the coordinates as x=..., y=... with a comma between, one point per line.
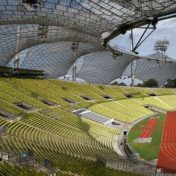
x=132, y=63
x=30, y=5
x=16, y=58
x=74, y=48
x=151, y=25
x=141, y=40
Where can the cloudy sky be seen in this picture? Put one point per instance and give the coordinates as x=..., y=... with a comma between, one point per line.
x=165, y=29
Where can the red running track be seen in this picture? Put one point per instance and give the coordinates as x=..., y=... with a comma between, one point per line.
x=147, y=131
x=167, y=153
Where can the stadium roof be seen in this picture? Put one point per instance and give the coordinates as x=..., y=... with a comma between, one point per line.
x=81, y=21
x=100, y=67
x=92, y=17
x=55, y=58
x=13, y=42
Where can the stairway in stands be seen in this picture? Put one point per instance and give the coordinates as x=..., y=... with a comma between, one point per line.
x=88, y=114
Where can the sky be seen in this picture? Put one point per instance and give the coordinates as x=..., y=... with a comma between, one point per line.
x=165, y=29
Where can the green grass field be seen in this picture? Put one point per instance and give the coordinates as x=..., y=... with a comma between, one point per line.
x=147, y=151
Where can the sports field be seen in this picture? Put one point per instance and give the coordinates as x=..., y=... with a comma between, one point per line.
x=145, y=137
x=167, y=153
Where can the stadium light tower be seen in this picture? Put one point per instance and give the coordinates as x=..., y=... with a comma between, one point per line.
x=162, y=46
x=74, y=48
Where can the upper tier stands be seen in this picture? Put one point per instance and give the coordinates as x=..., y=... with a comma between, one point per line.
x=129, y=110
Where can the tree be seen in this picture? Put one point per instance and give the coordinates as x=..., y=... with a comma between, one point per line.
x=170, y=83
x=150, y=83
x=115, y=83
x=122, y=84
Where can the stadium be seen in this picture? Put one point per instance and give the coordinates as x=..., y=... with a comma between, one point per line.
x=66, y=105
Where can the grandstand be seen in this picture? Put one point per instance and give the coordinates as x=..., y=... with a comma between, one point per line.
x=52, y=130
x=132, y=109
x=54, y=127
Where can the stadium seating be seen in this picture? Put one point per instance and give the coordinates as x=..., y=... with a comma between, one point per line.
x=56, y=134
x=169, y=99
x=129, y=110
x=156, y=102
x=7, y=169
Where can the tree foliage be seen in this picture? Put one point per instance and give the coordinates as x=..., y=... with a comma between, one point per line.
x=170, y=83
x=150, y=83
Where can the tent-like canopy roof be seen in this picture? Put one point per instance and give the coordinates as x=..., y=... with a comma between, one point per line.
x=54, y=58
x=92, y=17
x=15, y=38
x=82, y=21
